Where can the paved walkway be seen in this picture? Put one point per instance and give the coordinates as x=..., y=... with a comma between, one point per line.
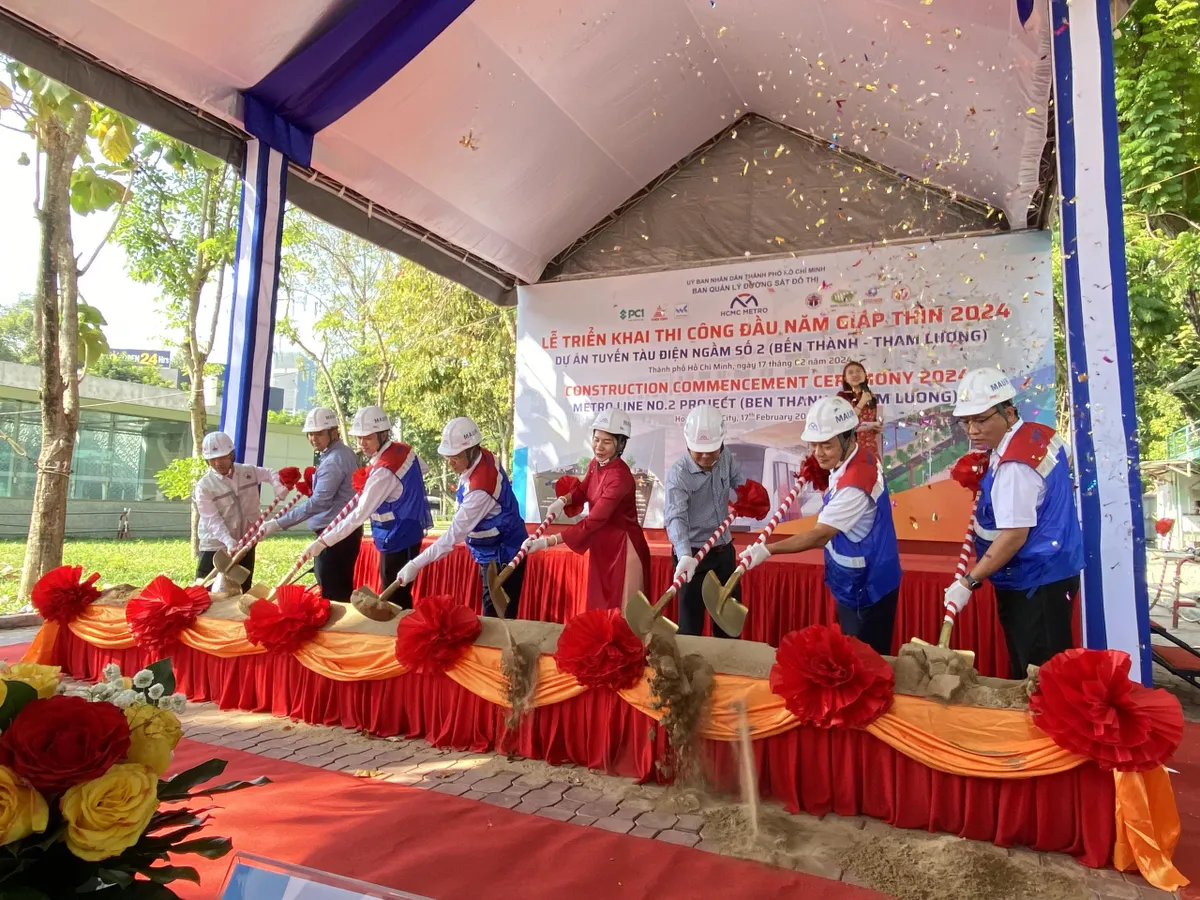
x=569, y=793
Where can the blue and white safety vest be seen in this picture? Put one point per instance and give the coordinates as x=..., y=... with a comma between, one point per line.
x=499, y=536
x=399, y=524
x=861, y=573
x=1053, y=551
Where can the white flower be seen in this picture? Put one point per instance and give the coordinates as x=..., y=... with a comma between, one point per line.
x=156, y=691
x=125, y=699
x=61, y=688
x=112, y=672
x=100, y=692
x=143, y=679
x=178, y=702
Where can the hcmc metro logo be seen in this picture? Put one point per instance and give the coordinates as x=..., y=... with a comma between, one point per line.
x=743, y=300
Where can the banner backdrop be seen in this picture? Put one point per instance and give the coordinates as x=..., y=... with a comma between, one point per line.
x=763, y=341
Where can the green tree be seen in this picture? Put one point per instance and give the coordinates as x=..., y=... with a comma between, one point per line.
x=18, y=342
x=121, y=368
x=81, y=153
x=179, y=234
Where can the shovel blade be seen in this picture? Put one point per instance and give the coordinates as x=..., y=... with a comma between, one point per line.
x=237, y=575
x=665, y=627
x=222, y=560
x=726, y=612
x=639, y=614
x=496, y=590
x=363, y=594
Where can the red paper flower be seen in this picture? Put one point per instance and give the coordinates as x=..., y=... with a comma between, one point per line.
x=291, y=621
x=289, y=477
x=1087, y=704
x=970, y=469
x=305, y=484
x=162, y=610
x=1164, y=526
x=752, y=501
x=812, y=472
x=564, y=486
x=359, y=479
x=830, y=680
x=436, y=635
x=63, y=741
x=600, y=649
x=61, y=595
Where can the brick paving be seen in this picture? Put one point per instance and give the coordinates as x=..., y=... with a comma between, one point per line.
x=554, y=792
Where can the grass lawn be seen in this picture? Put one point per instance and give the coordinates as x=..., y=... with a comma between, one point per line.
x=138, y=562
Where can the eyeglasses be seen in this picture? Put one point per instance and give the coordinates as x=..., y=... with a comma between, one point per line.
x=970, y=422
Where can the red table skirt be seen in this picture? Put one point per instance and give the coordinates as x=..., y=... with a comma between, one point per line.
x=807, y=769
x=783, y=595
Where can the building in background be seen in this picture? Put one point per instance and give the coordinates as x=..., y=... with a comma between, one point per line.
x=295, y=377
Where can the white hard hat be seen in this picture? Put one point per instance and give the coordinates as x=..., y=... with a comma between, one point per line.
x=704, y=430
x=829, y=417
x=370, y=420
x=614, y=421
x=982, y=389
x=320, y=419
x=458, y=435
x=216, y=445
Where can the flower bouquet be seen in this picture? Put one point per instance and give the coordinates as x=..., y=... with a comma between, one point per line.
x=81, y=780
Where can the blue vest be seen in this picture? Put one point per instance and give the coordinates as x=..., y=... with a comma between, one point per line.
x=498, y=537
x=1053, y=551
x=399, y=524
x=861, y=573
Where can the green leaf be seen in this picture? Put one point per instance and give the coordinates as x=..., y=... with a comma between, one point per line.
x=164, y=674
x=167, y=874
x=231, y=786
x=208, y=161
x=18, y=694
x=209, y=848
x=178, y=788
x=113, y=876
x=23, y=159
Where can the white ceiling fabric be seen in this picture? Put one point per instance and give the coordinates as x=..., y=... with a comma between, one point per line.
x=527, y=121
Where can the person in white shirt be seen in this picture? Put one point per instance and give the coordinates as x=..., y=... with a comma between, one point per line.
x=393, y=498
x=488, y=519
x=227, y=498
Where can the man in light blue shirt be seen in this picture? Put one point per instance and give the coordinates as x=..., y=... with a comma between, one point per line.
x=332, y=489
x=699, y=486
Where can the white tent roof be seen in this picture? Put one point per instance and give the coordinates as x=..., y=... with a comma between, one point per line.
x=525, y=122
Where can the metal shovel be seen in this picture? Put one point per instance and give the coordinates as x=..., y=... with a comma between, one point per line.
x=496, y=579
x=964, y=556
x=375, y=606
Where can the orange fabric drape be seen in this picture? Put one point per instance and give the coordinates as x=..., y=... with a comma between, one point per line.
x=41, y=650
x=104, y=626
x=764, y=710
x=479, y=672
x=1147, y=827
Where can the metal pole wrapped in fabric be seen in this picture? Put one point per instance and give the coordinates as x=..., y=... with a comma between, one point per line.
x=1104, y=422
x=252, y=319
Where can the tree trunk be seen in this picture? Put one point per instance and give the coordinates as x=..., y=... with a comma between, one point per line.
x=57, y=303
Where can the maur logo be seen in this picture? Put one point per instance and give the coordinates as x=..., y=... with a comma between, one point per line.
x=633, y=314
x=743, y=300
x=681, y=311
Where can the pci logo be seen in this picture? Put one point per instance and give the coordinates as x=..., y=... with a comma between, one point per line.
x=628, y=314
x=660, y=315
x=743, y=301
x=842, y=297
x=681, y=311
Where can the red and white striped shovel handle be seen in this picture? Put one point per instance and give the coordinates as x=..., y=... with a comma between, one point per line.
x=537, y=533
x=964, y=555
x=252, y=532
x=702, y=552
x=776, y=518
x=304, y=557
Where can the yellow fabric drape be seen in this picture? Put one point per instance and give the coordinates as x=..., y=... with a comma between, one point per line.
x=960, y=740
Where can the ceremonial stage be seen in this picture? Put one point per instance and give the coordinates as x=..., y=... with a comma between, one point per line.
x=783, y=595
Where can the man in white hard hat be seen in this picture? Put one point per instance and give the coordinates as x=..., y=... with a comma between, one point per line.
x=699, y=485
x=228, y=501
x=331, y=490
x=1027, y=536
x=488, y=519
x=393, y=498
x=862, y=558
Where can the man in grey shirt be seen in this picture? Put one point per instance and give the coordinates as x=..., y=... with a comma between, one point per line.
x=699, y=486
x=332, y=489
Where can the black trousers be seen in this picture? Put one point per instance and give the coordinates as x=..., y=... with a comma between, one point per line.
x=1037, y=623
x=204, y=566
x=872, y=624
x=390, y=565
x=335, y=567
x=512, y=587
x=722, y=560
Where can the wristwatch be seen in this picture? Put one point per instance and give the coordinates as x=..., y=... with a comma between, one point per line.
x=973, y=583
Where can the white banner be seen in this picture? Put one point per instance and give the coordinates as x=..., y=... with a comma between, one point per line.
x=763, y=341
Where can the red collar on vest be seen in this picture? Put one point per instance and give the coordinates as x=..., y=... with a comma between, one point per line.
x=485, y=476
x=861, y=472
x=393, y=458
x=1029, y=444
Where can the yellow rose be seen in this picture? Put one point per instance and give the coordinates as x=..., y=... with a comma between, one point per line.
x=153, y=734
x=23, y=810
x=107, y=815
x=43, y=679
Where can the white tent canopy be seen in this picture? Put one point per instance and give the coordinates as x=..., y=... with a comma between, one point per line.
x=523, y=124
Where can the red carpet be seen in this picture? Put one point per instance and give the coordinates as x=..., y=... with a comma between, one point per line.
x=1187, y=799
x=13, y=652
x=448, y=848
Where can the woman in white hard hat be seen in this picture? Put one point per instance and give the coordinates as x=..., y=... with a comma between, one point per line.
x=698, y=488
x=488, y=519
x=619, y=561
x=331, y=490
x=862, y=558
x=228, y=501
x=1027, y=535
x=393, y=498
